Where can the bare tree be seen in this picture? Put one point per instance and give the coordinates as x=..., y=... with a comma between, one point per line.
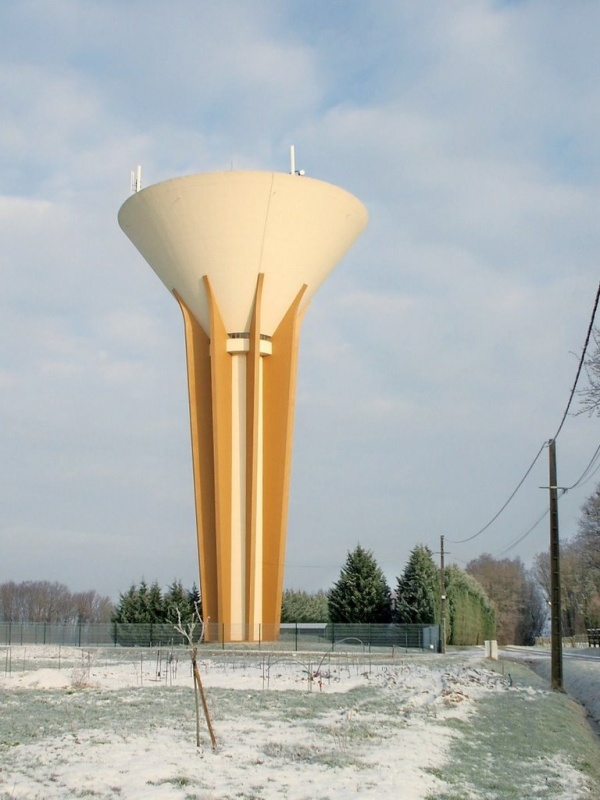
x=580, y=601
x=43, y=601
x=519, y=606
x=9, y=602
x=579, y=566
x=590, y=396
x=588, y=535
x=91, y=607
x=187, y=631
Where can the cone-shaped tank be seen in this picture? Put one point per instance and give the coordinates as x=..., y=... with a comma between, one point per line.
x=232, y=226
x=243, y=252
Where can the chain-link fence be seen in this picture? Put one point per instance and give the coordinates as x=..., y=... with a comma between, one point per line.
x=294, y=637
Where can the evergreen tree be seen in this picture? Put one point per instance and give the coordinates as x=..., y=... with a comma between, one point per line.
x=178, y=599
x=195, y=600
x=127, y=608
x=297, y=606
x=156, y=612
x=143, y=602
x=361, y=594
x=418, y=590
x=148, y=604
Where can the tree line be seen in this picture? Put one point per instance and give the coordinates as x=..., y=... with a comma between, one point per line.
x=148, y=604
x=54, y=603
x=491, y=598
x=362, y=595
x=579, y=572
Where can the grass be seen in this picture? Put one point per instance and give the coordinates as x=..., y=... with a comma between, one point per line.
x=524, y=743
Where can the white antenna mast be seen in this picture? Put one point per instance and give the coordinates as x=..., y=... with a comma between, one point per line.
x=136, y=180
x=293, y=170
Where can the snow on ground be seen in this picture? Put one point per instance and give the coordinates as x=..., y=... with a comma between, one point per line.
x=581, y=674
x=121, y=725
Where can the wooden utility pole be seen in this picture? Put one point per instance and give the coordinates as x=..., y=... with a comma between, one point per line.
x=555, y=609
x=442, y=598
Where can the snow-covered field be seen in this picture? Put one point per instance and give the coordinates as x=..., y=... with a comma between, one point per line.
x=121, y=724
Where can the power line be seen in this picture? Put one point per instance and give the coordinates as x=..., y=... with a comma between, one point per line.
x=590, y=476
x=585, y=475
x=495, y=517
x=581, y=362
x=562, y=422
x=523, y=536
x=530, y=530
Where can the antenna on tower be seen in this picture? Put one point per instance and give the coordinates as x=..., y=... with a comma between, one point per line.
x=293, y=170
x=136, y=180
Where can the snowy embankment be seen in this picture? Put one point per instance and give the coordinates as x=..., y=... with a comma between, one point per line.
x=581, y=678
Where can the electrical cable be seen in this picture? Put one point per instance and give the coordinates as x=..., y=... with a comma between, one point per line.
x=495, y=517
x=590, y=476
x=581, y=362
x=529, y=530
x=523, y=536
x=584, y=475
x=562, y=422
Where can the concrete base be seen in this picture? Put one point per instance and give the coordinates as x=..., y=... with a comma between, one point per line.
x=491, y=649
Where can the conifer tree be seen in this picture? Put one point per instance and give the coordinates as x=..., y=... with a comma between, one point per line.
x=299, y=606
x=143, y=601
x=195, y=601
x=361, y=594
x=418, y=590
x=127, y=609
x=178, y=599
x=155, y=604
x=143, y=604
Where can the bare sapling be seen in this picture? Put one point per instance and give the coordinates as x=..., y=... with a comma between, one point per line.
x=187, y=631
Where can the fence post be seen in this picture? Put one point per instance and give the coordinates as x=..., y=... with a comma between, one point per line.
x=296, y=636
x=79, y=634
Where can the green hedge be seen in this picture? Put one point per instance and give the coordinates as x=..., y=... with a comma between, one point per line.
x=471, y=616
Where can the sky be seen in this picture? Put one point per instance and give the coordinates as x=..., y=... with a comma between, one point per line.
x=435, y=361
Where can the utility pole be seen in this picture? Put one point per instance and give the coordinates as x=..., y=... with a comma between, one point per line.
x=555, y=610
x=442, y=597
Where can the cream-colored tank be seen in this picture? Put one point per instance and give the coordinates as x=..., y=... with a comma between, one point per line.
x=232, y=226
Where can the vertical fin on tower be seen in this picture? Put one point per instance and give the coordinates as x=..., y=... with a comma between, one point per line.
x=220, y=368
x=279, y=382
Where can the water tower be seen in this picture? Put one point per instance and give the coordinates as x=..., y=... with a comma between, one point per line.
x=242, y=253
